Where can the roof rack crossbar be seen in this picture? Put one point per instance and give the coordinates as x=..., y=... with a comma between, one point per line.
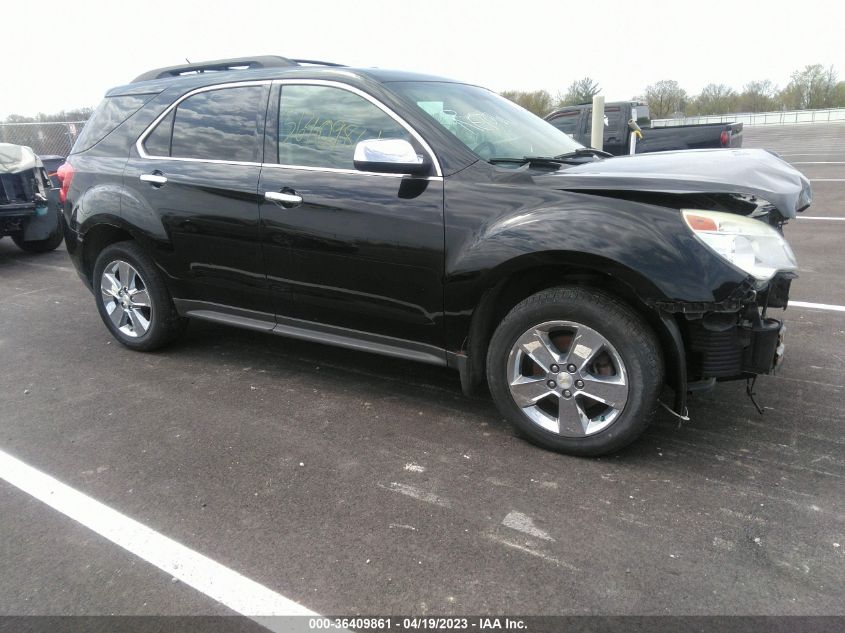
x=235, y=63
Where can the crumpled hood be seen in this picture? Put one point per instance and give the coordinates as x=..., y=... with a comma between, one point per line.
x=17, y=158
x=755, y=172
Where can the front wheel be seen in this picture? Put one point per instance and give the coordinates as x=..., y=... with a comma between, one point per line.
x=575, y=370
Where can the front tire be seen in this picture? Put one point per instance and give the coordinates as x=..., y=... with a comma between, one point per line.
x=133, y=300
x=575, y=370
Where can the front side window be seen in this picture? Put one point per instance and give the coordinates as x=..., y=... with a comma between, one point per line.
x=222, y=124
x=319, y=126
x=488, y=124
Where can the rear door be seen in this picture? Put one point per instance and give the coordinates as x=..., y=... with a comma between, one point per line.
x=615, y=131
x=195, y=180
x=569, y=122
x=361, y=252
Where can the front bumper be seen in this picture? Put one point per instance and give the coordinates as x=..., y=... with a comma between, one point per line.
x=731, y=346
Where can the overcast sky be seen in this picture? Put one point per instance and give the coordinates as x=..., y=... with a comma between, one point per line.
x=61, y=55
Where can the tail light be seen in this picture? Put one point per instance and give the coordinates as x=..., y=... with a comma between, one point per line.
x=725, y=138
x=65, y=176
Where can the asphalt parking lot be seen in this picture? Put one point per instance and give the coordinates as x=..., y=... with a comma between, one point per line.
x=350, y=483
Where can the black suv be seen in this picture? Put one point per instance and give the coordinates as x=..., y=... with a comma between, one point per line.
x=431, y=220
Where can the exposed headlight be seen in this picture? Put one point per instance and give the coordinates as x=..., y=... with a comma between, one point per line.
x=751, y=245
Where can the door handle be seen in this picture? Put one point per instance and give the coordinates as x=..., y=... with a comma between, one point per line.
x=285, y=198
x=155, y=179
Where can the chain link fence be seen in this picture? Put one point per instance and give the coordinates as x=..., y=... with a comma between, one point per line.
x=43, y=138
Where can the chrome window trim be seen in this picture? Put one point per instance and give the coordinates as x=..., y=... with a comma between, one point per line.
x=139, y=144
x=338, y=170
x=368, y=97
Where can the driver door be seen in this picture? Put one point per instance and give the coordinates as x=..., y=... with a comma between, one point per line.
x=361, y=253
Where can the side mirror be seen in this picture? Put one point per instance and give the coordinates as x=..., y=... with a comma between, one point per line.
x=389, y=156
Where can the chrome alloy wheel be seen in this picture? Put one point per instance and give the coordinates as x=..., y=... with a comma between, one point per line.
x=125, y=298
x=567, y=378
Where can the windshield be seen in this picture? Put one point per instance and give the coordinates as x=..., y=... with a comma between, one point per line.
x=488, y=124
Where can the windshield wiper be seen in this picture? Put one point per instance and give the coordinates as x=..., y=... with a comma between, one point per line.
x=569, y=158
x=585, y=151
x=553, y=161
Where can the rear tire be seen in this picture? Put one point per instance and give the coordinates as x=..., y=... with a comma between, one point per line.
x=133, y=300
x=50, y=243
x=576, y=371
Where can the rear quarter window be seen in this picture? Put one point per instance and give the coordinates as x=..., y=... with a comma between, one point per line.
x=111, y=112
x=158, y=142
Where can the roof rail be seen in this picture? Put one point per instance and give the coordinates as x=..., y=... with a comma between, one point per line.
x=314, y=62
x=235, y=63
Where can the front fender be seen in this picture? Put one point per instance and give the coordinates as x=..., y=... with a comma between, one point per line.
x=648, y=248
x=498, y=231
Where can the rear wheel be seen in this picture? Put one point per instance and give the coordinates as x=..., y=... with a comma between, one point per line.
x=133, y=300
x=575, y=370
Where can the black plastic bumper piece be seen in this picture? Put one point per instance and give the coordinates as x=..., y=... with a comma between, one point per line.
x=737, y=351
x=765, y=351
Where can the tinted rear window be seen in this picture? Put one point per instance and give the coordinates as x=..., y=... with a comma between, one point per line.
x=220, y=124
x=111, y=112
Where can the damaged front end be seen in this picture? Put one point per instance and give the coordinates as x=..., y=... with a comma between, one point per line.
x=734, y=340
x=735, y=203
x=737, y=338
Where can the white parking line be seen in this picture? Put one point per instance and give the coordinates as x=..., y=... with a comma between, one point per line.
x=216, y=581
x=816, y=306
x=827, y=179
x=820, y=162
x=819, y=217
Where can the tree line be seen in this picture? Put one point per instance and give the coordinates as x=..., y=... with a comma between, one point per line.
x=77, y=114
x=812, y=87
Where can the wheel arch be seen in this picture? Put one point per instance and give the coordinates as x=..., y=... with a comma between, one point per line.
x=516, y=282
x=109, y=230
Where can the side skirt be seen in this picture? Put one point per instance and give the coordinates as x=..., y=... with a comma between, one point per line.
x=310, y=331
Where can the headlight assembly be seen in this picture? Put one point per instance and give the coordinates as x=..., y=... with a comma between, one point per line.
x=751, y=245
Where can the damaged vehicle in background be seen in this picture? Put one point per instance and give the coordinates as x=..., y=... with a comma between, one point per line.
x=28, y=200
x=432, y=221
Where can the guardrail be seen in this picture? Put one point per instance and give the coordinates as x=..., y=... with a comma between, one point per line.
x=44, y=138
x=787, y=117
